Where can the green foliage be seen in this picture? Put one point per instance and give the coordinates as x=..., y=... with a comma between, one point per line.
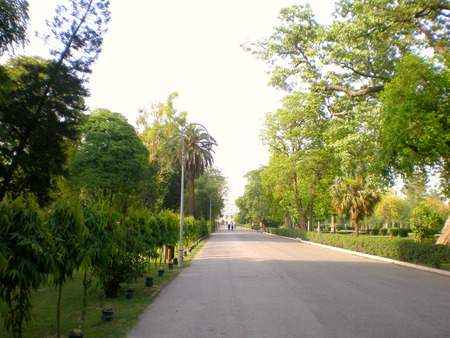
x=24, y=258
x=36, y=127
x=394, y=231
x=356, y=195
x=112, y=161
x=403, y=232
x=210, y=187
x=65, y=223
x=357, y=68
x=157, y=127
x=301, y=164
x=13, y=23
x=425, y=223
x=197, y=144
x=361, y=46
x=383, y=231
x=77, y=33
x=253, y=206
x=389, y=208
x=41, y=101
x=375, y=231
x=414, y=120
x=190, y=231
x=169, y=228
x=126, y=263
x=398, y=249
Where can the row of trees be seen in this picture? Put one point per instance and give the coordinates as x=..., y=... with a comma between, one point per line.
x=40, y=248
x=367, y=104
x=81, y=191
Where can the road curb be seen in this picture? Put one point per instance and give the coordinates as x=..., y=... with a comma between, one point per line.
x=378, y=258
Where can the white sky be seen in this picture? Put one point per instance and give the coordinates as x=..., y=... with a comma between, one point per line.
x=154, y=48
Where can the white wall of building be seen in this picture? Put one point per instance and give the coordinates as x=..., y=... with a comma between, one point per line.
x=229, y=212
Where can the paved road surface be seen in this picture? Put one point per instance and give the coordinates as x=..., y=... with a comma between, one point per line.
x=247, y=284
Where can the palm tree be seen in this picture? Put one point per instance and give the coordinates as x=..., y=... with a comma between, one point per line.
x=198, y=156
x=356, y=195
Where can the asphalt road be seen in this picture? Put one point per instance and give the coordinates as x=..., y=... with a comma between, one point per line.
x=246, y=284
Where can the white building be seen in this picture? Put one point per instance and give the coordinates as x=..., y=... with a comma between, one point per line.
x=229, y=212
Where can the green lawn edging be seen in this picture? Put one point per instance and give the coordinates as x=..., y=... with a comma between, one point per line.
x=399, y=249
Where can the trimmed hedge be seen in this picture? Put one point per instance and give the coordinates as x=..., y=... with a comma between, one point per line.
x=393, y=231
x=403, y=232
x=398, y=249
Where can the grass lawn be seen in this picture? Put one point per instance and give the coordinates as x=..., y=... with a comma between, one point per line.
x=126, y=313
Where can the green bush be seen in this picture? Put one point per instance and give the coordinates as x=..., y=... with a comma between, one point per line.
x=403, y=232
x=425, y=222
x=393, y=231
x=375, y=231
x=398, y=249
x=383, y=231
x=368, y=231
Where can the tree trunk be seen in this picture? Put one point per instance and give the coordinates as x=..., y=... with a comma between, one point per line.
x=357, y=228
x=298, y=204
x=58, y=312
x=288, y=221
x=191, y=195
x=445, y=237
x=84, y=300
x=333, y=224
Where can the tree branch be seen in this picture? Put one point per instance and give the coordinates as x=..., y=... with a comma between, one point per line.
x=372, y=76
x=354, y=93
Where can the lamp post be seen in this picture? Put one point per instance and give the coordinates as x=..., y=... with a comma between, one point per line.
x=210, y=203
x=183, y=160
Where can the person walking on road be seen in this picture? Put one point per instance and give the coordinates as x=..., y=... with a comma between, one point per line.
x=228, y=226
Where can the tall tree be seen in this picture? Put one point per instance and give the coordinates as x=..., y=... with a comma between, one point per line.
x=112, y=160
x=297, y=138
x=33, y=138
x=13, y=23
x=198, y=151
x=156, y=127
x=210, y=187
x=350, y=62
x=78, y=33
x=389, y=208
x=253, y=206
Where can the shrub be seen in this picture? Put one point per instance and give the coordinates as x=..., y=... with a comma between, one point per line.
x=398, y=249
x=425, y=253
x=403, y=232
x=383, y=231
x=425, y=223
x=375, y=231
x=368, y=231
x=393, y=231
